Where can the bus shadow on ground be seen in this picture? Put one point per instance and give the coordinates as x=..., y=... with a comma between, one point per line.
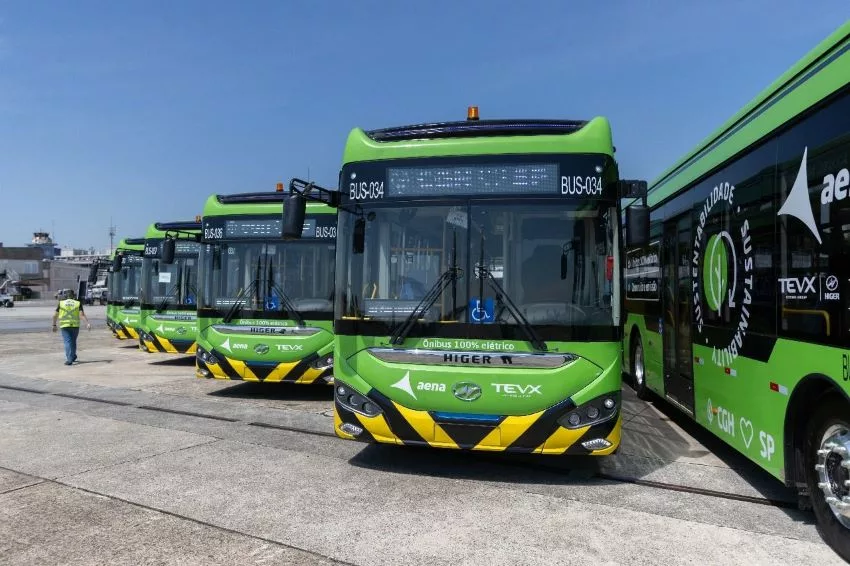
x=277, y=391
x=661, y=449
x=654, y=436
x=180, y=361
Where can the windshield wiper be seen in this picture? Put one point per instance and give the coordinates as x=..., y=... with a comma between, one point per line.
x=251, y=289
x=450, y=275
x=504, y=299
x=164, y=304
x=240, y=300
x=284, y=298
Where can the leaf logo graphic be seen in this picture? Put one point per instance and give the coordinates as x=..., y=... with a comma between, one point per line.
x=715, y=272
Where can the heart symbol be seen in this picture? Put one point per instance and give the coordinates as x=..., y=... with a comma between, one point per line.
x=746, y=425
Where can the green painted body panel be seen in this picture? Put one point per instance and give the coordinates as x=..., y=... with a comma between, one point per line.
x=596, y=371
x=594, y=137
x=172, y=324
x=792, y=93
x=282, y=349
x=749, y=416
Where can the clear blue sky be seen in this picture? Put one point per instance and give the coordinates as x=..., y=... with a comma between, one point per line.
x=138, y=110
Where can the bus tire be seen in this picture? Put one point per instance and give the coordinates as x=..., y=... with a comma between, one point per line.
x=638, y=368
x=830, y=422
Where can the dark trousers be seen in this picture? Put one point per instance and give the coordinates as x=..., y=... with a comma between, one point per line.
x=69, y=336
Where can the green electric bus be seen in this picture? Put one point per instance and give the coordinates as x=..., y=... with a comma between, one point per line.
x=478, y=286
x=265, y=306
x=168, y=319
x=122, y=305
x=737, y=306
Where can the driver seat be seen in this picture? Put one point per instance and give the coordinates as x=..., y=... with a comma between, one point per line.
x=541, y=276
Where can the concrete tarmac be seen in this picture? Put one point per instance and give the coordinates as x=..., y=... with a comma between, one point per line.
x=126, y=458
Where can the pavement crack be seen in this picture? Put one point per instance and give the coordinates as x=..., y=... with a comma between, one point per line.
x=138, y=459
x=58, y=481
x=20, y=487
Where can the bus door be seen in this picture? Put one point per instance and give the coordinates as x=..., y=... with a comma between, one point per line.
x=676, y=334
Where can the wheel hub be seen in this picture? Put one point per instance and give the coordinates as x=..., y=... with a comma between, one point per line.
x=639, y=365
x=833, y=468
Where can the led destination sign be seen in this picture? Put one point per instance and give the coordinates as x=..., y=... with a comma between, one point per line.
x=573, y=176
x=182, y=248
x=473, y=179
x=254, y=228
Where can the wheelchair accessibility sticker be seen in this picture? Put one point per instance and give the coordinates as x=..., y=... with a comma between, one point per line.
x=482, y=312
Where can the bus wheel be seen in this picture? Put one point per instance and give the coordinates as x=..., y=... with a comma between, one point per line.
x=639, y=369
x=828, y=473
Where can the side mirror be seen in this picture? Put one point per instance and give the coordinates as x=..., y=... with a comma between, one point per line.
x=294, y=210
x=358, y=244
x=166, y=251
x=637, y=226
x=632, y=189
x=116, y=263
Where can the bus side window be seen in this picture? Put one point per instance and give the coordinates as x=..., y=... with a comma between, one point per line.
x=812, y=278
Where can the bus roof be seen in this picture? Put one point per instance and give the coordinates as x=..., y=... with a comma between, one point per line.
x=130, y=244
x=158, y=229
x=485, y=137
x=818, y=74
x=269, y=202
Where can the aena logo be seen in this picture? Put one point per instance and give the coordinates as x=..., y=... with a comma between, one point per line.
x=403, y=384
x=798, y=205
x=715, y=271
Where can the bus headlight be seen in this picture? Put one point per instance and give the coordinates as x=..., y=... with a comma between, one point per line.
x=206, y=357
x=354, y=401
x=323, y=362
x=593, y=412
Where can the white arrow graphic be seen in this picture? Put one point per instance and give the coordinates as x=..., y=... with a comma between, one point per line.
x=226, y=344
x=797, y=204
x=160, y=329
x=404, y=385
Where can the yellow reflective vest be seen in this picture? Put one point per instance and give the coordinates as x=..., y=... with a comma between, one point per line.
x=69, y=313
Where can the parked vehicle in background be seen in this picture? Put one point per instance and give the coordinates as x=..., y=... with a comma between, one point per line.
x=98, y=295
x=61, y=294
x=122, y=308
x=168, y=290
x=265, y=305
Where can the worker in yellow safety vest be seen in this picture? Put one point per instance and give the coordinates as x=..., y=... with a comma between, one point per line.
x=68, y=313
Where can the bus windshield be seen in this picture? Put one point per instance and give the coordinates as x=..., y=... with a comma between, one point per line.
x=263, y=277
x=127, y=284
x=172, y=286
x=552, y=258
